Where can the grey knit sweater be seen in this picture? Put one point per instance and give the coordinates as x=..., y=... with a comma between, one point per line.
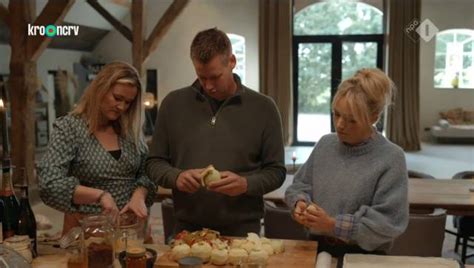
x=366, y=184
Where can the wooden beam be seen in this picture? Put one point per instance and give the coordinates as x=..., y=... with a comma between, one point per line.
x=124, y=30
x=138, y=32
x=53, y=13
x=4, y=14
x=163, y=25
x=22, y=87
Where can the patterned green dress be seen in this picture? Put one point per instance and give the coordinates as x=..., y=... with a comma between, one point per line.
x=75, y=157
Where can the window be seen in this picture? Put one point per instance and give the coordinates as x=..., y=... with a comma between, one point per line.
x=238, y=48
x=454, y=59
x=331, y=40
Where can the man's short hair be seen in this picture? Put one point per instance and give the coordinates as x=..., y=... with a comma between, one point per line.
x=209, y=43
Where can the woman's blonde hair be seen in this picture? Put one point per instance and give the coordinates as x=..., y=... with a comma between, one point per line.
x=368, y=92
x=129, y=124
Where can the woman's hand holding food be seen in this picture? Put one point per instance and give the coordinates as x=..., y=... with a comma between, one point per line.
x=316, y=218
x=108, y=205
x=298, y=212
x=137, y=203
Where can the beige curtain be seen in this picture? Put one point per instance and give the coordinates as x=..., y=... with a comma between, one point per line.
x=275, y=58
x=403, y=118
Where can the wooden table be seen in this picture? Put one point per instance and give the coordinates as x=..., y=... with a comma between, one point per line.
x=452, y=195
x=297, y=254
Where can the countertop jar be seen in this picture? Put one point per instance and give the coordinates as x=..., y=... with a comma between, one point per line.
x=136, y=257
x=21, y=244
x=98, y=241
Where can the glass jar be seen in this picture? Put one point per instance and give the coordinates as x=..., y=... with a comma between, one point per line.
x=136, y=257
x=126, y=232
x=77, y=257
x=98, y=241
x=11, y=258
x=21, y=244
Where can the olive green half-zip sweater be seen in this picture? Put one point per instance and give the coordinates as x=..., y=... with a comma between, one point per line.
x=243, y=136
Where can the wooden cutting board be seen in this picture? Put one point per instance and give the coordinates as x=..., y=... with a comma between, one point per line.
x=297, y=254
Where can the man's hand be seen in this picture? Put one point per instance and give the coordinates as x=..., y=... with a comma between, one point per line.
x=137, y=203
x=230, y=184
x=189, y=180
x=318, y=219
x=298, y=212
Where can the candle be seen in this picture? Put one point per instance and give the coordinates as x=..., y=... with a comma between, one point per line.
x=293, y=157
x=3, y=118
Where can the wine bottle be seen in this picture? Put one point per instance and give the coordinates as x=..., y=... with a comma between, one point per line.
x=10, y=203
x=1, y=220
x=26, y=219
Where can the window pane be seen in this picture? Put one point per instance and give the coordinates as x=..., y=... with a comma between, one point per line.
x=468, y=46
x=356, y=56
x=467, y=61
x=440, y=61
x=238, y=48
x=338, y=17
x=314, y=91
x=454, y=59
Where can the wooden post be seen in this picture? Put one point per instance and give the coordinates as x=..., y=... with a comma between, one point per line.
x=23, y=84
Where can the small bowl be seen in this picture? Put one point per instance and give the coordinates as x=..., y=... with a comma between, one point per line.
x=190, y=262
x=150, y=257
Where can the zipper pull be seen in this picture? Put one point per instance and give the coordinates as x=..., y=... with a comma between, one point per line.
x=213, y=121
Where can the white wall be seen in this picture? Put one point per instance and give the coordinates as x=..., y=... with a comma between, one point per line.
x=445, y=15
x=171, y=58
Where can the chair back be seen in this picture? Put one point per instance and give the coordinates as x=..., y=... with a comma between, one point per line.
x=464, y=175
x=423, y=237
x=418, y=175
x=278, y=223
x=169, y=221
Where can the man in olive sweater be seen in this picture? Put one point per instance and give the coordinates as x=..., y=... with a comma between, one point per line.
x=217, y=121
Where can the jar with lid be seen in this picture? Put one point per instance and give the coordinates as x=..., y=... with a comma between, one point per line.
x=128, y=232
x=98, y=240
x=136, y=257
x=21, y=244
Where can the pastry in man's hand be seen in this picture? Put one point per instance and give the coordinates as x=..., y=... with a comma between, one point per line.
x=209, y=175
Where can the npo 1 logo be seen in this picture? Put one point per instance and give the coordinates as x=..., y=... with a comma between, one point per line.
x=425, y=29
x=53, y=30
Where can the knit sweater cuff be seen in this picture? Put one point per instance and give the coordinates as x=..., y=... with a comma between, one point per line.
x=345, y=227
x=171, y=177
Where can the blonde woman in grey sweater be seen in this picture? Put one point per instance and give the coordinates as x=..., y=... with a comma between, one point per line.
x=352, y=192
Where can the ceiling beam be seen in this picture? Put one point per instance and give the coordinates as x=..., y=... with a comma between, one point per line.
x=138, y=32
x=53, y=13
x=124, y=30
x=162, y=27
x=4, y=14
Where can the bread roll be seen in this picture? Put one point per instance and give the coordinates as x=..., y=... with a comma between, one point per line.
x=202, y=250
x=237, y=256
x=209, y=175
x=180, y=251
x=219, y=256
x=258, y=257
x=278, y=246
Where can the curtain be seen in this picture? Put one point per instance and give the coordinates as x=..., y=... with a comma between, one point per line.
x=275, y=58
x=403, y=118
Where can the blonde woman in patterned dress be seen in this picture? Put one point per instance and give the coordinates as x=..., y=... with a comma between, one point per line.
x=95, y=159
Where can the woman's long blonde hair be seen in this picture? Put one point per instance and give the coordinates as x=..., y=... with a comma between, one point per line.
x=129, y=125
x=368, y=92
